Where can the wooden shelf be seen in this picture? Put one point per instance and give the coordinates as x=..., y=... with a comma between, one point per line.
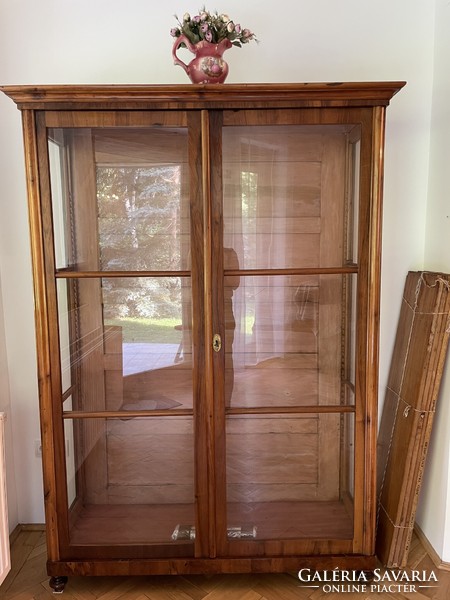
x=147, y=524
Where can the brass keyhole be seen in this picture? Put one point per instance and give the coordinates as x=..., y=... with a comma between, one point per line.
x=217, y=342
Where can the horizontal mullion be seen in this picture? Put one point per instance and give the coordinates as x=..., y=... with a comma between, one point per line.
x=122, y=414
x=62, y=274
x=274, y=410
x=294, y=271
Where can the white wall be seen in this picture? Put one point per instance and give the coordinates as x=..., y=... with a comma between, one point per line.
x=434, y=509
x=301, y=40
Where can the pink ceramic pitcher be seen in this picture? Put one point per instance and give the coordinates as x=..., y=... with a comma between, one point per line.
x=208, y=65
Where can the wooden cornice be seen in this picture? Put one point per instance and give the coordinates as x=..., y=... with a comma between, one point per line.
x=189, y=96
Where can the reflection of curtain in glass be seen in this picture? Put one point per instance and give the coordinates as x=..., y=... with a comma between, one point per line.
x=233, y=256
x=269, y=252
x=281, y=296
x=251, y=218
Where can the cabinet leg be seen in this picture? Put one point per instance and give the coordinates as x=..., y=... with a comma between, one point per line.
x=58, y=584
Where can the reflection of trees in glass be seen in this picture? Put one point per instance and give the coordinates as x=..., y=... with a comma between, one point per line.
x=145, y=297
x=139, y=229
x=138, y=214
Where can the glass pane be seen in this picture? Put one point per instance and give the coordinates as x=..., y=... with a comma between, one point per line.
x=289, y=477
x=70, y=456
x=58, y=183
x=127, y=343
x=353, y=196
x=133, y=481
x=286, y=192
x=287, y=338
x=125, y=202
x=64, y=325
x=348, y=458
x=349, y=330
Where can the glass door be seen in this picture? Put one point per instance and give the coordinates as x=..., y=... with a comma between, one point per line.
x=121, y=212
x=289, y=238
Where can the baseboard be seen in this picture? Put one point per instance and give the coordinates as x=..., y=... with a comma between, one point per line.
x=24, y=527
x=440, y=564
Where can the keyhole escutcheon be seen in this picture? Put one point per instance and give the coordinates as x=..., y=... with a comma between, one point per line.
x=217, y=342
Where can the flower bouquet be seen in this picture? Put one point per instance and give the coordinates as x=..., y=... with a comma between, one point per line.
x=213, y=28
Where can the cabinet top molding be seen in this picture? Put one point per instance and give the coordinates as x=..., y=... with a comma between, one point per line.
x=189, y=96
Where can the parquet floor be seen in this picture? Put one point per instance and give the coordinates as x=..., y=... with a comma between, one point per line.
x=28, y=581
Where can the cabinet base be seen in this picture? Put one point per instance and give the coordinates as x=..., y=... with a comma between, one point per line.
x=199, y=566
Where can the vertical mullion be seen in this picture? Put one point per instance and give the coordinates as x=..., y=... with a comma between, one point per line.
x=208, y=325
x=202, y=518
x=207, y=273
x=218, y=324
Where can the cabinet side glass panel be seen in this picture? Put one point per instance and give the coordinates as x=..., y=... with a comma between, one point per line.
x=353, y=189
x=130, y=481
x=349, y=337
x=69, y=447
x=65, y=335
x=58, y=182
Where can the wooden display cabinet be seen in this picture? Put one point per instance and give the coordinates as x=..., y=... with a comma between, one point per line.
x=207, y=272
